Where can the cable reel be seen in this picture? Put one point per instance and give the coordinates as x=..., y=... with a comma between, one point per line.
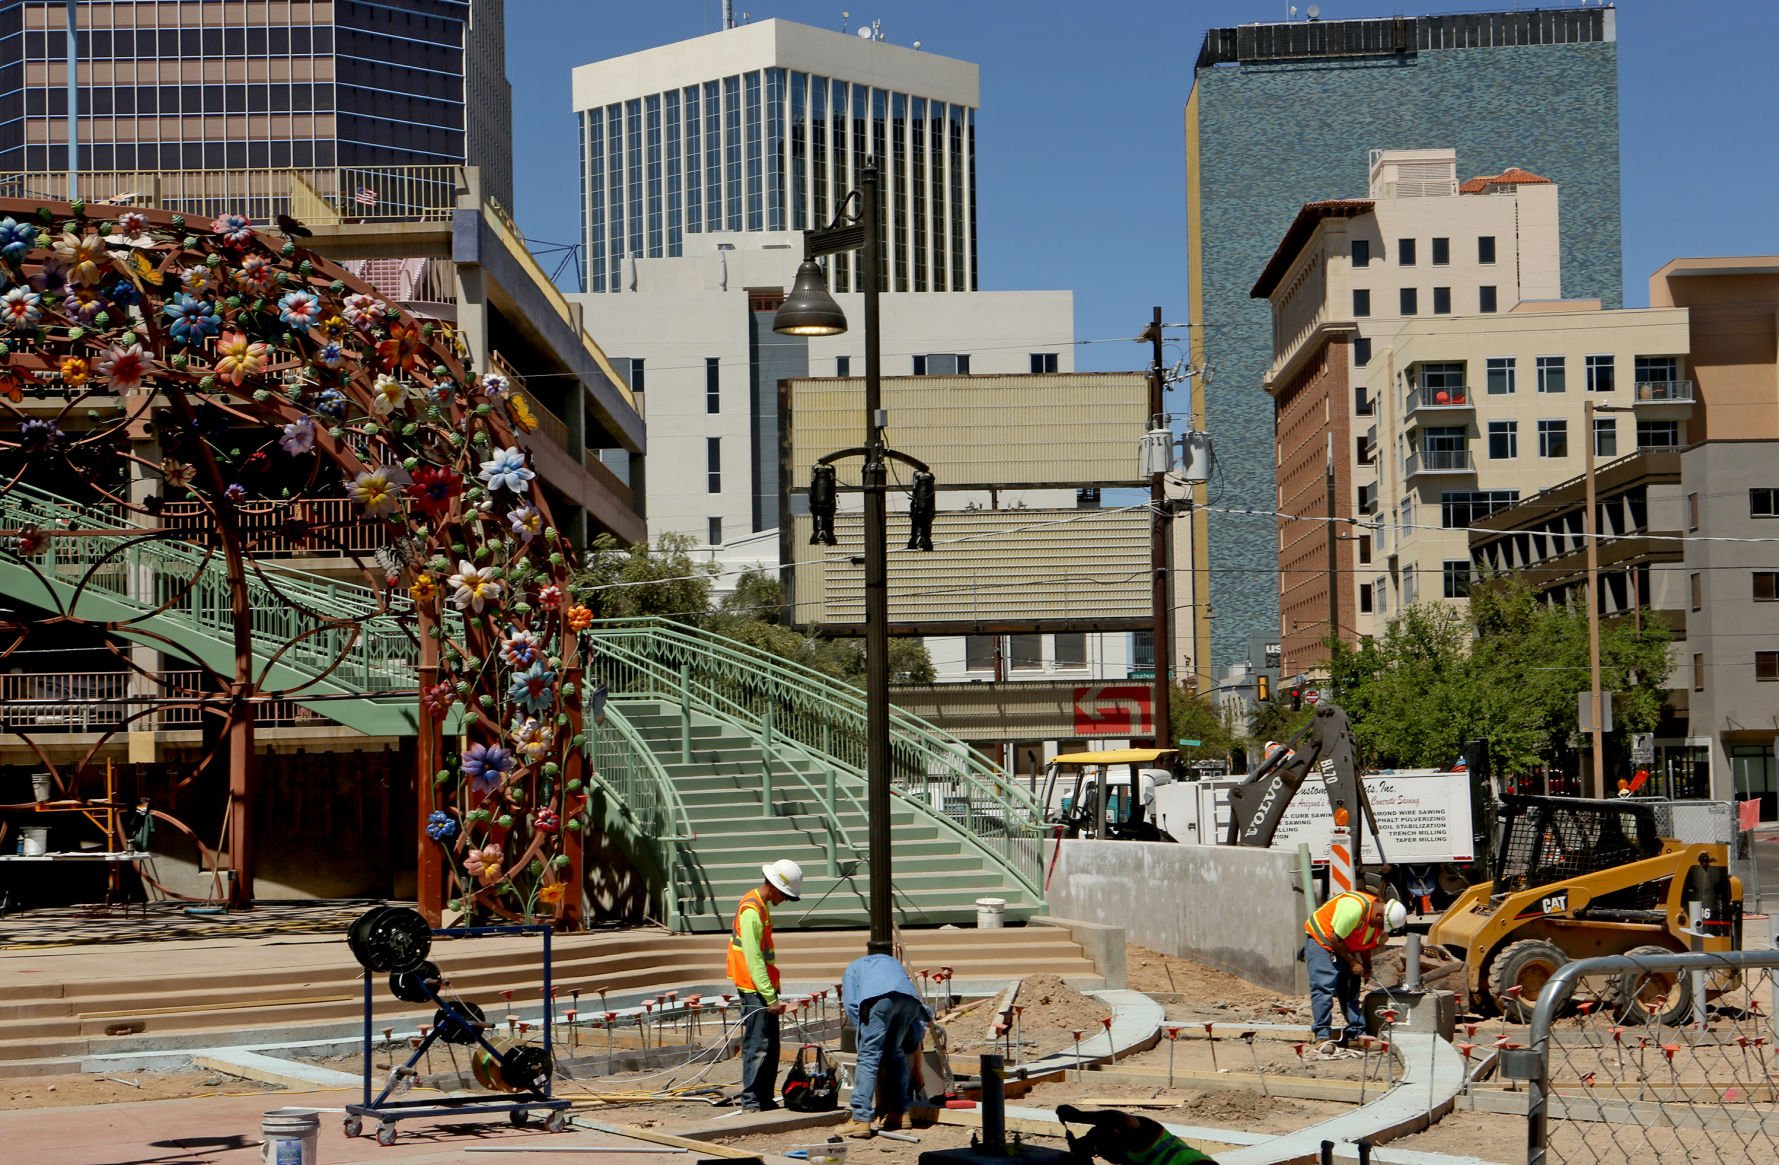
x=453, y=1030
x=390, y=939
x=411, y=986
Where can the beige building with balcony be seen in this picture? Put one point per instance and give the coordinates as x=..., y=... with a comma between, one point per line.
x=1425, y=361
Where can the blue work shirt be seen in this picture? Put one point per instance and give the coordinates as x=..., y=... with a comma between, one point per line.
x=873, y=976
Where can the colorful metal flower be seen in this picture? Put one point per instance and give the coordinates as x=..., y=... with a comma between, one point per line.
x=257, y=275
x=75, y=371
x=330, y=355
x=526, y=521
x=473, y=587
x=483, y=863
x=236, y=229
x=192, y=320
x=506, y=470
x=20, y=308
x=298, y=437
x=236, y=493
x=83, y=257
x=126, y=368
x=387, y=395
x=433, y=488
x=300, y=310
x=485, y=765
x=424, y=589
x=552, y=893
x=36, y=435
x=441, y=826
x=364, y=312
x=532, y=738
x=238, y=357
x=546, y=821
x=82, y=305
x=579, y=618
x=32, y=541
x=332, y=404
x=521, y=648
x=373, y=490
x=440, y=696
x=16, y=238
x=399, y=351
x=550, y=598
x=534, y=688
x=178, y=474
x=494, y=385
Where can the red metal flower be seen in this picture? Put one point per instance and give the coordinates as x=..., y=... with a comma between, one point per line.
x=433, y=488
x=401, y=348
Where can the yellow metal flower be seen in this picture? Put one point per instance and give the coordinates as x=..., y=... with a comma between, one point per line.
x=75, y=372
x=425, y=589
x=553, y=893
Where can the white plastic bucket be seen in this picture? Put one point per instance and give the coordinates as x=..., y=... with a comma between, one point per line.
x=289, y=1136
x=40, y=787
x=36, y=841
x=991, y=913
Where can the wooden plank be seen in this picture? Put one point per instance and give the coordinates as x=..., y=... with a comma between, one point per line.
x=708, y=1148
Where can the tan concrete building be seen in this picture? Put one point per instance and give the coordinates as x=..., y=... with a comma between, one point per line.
x=1422, y=346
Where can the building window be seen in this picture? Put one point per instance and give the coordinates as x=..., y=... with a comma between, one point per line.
x=713, y=465
x=1692, y=511
x=1043, y=361
x=1368, y=498
x=1361, y=302
x=1461, y=508
x=1025, y=652
x=1405, y=252
x=1697, y=586
x=1504, y=440
x=1763, y=502
x=1485, y=249
x=1365, y=598
x=1698, y=672
x=715, y=533
x=1364, y=549
x=1605, y=437
x=1442, y=252
x=1766, y=587
x=1411, y=301
x=1362, y=450
x=1362, y=351
x=1142, y=651
x=942, y=364
x=1599, y=373
x=1361, y=252
x=1662, y=370
x=1766, y=666
x=1553, y=438
x=979, y=652
x=1070, y=650
x=1487, y=301
x=1658, y=434
x=1410, y=591
x=636, y=375
x=1501, y=371
x=1457, y=577
x=713, y=388
x=1447, y=376
x=1553, y=374
x=843, y=366
x=1361, y=402
x=1442, y=301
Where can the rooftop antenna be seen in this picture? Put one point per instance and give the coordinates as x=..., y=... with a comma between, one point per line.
x=728, y=14
x=844, y=17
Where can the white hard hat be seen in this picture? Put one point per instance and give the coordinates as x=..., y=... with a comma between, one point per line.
x=1395, y=914
x=787, y=876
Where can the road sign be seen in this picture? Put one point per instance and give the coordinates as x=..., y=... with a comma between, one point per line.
x=1312, y=696
x=1585, y=711
x=1112, y=710
x=1184, y=743
x=1642, y=748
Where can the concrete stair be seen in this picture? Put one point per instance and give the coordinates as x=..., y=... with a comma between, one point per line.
x=938, y=874
x=169, y=997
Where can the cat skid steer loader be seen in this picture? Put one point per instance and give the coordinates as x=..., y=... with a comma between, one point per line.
x=1576, y=878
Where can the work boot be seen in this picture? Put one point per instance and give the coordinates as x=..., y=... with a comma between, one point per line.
x=890, y=1122
x=858, y=1130
x=1327, y=1049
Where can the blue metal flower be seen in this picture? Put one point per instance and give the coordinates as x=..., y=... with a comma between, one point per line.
x=506, y=470
x=193, y=320
x=485, y=764
x=441, y=826
x=532, y=688
x=16, y=238
x=332, y=403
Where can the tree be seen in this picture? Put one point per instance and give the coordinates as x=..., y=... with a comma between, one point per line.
x=634, y=582
x=1194, y=717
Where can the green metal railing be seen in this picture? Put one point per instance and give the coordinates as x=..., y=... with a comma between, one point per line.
x=623, y=764
x=141, y=572
x=807, y=712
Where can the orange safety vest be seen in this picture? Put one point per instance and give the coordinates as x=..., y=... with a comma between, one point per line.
x=738, y=972
x=1320, y=925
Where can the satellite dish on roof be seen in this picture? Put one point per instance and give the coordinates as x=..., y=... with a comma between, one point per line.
x=865, y=33
x=1313, y=11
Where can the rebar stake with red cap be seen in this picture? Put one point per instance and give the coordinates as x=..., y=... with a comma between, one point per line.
x=1107, y=1024
x=1173, y=1037
x=1212, y=1039
x=1078, y=1032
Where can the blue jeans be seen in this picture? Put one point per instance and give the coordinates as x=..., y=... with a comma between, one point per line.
x=883, y=1037
x=1330, y=981
x=759, y=1054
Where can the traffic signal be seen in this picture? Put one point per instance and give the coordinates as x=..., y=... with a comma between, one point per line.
x=1296, y=699
x=1263, y=687
x=922, y=505
x=823, y=504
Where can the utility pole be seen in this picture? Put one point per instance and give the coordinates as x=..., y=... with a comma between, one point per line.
x=1333, y=569
x=1590, y=531
x=1160, y=547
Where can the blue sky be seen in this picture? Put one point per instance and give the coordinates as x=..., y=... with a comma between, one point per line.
x=1081, y=164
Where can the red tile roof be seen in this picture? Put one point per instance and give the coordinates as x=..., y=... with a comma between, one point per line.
x=1512, y=176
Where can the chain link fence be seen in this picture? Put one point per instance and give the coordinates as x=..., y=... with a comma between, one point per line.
x=1654, y=1057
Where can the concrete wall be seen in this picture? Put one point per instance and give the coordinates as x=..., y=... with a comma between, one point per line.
x=1228, y=907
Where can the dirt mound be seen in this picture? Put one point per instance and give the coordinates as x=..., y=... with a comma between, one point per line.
x=1235, y=1106
x=1201, y=987
x=1050, y=1005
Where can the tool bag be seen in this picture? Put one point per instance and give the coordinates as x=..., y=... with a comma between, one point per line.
x=812, y=1087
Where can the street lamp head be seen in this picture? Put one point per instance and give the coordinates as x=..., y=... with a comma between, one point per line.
x=809, y=310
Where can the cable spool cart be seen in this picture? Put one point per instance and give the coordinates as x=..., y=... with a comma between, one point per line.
x=395, y=941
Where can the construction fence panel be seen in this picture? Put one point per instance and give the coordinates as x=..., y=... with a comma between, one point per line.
x=1654, y=1059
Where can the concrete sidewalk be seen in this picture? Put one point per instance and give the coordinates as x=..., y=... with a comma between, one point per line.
x=225, y=1130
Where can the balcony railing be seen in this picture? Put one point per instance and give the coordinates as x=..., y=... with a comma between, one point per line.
x=1664, y=392
x=315, y=527
x=44, y=702
x=319, y=196
x=1428, y=396
x=1438, y=461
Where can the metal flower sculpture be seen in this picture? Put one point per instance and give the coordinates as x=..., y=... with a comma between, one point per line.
x=200, y=397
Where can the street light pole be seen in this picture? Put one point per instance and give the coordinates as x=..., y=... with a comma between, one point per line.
x=1590, y=533
x=810, y=311
x=1161, y=534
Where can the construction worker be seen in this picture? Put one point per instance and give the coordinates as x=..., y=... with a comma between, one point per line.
x=1124, y=1139
x=753, y=968
x=885, y=1009
x=1337, y=944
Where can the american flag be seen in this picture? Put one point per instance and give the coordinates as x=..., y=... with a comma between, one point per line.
x=365, y=196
